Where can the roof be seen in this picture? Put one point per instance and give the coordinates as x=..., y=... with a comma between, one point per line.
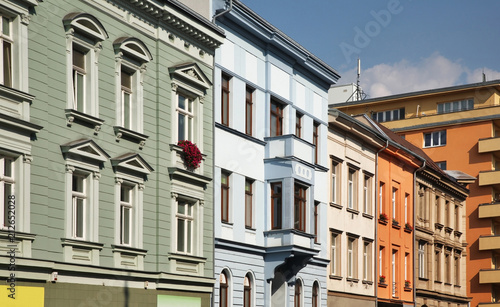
x=421, y=93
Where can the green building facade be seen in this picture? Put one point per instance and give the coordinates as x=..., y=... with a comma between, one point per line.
x=100, y=204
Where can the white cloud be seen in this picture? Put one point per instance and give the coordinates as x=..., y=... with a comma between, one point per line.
x=432, y=72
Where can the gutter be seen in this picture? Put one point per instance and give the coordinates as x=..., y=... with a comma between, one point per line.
x=223, y=12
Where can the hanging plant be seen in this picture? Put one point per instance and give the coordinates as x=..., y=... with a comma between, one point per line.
x=192, y=155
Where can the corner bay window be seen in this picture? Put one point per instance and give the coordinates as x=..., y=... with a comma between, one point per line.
x=300, y=205
x=276, y=125
x=276, y=205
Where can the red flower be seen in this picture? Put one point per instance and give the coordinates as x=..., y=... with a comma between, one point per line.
x=192, y=155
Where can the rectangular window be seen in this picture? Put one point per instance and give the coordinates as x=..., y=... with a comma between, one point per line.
x=394, y=203
x=225, y=100
x=367, y=183
x=394, y=272
x=335, y=182
x=447, y=268
x=407, y=198
x=441, y=165
x=6, y=188
x=127, y=108
x=421, y=260
x=6, y=50
x=381, y=268
x=79, y=197
x=457, y=270
x=276, y=125
x=457, y=218
x=352, y=189
x=350, y=257
x=248, y=203
x=407, y=263
x=185, y=222
x=185, y=118
x=300, y=201
x=386, y=116
x=334, y=254
x=381, y=197
x=276, y=209
x=455, y=106
x=224, y=192
x=125, y=214
x=436, y=138
x=316, y=221
x=437, y=266
x=298, y=124
x=447, y=213
x=79, y=79
x=367, y=265
x=316, y=141
x=249, y=110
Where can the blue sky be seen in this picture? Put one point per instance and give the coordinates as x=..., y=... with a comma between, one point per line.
x=404, y=45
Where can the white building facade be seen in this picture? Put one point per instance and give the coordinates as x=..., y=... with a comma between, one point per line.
x=271, y=166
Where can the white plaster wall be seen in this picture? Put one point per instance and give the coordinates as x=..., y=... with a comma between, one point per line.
x=227, y=54
x=300, y=95
x=280, y=81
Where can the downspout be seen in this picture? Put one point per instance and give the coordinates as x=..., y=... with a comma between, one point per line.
x=377, y=201
x=414, y=224
x=223, y=12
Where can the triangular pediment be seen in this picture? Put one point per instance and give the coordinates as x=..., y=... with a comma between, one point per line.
x=85, y=148
x=191, y=72
x=132, y=162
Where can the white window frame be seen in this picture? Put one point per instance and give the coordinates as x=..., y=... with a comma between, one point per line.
x=75, y=196
x=132, y=57
x=394, y=201
x=335, y=175
x=366, y=246
x=196, y=218
x=6, y=38
x=334, y=253
x=439, y=141
x=188, y=112
x=421, y=260
x=9, y=204
x=89, y=41
x=186, y=218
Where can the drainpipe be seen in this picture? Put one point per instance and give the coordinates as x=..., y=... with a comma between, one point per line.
x=414, y=224
x=223, y=12
x=377, y=201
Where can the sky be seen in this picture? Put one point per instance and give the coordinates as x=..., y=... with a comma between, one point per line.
x=403, y=45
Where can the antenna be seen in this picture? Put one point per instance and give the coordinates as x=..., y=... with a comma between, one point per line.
x=358, y=90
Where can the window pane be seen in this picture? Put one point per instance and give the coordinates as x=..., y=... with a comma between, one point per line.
x=78, y=184
x=180, y=235
x=7, y=171
x=78, y=59
x=5, y=26
x=7, y=64
x=181, y=128
x=427, y=139
x=181, y=209
x=126, y=110
x=188, y=235
x=79, y=219
x=443, y=137
x=126, y=79
x=273, y=125
x=182, y=102
x=125, y=225
x=7, y=193
x=80, y=91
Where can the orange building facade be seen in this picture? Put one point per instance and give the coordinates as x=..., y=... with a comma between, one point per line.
x=459, y=128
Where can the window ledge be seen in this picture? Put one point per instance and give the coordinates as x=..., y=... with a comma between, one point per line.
x=458, y=233
x=457, y=286
x=352, y=279
x=423, y=278
x=383, y=222
x=82, y=244
x=353, y=211
x=185, y=257
x=407, y=289
x=250, y=229
x=367, y=282
x=77, y=116
x=408, y=230
x=229, y=224
x=382, y=285
x=438, y=282
x=332, y=204
x=448, y=229
x=128, y=250
x=16, y=235
x=336, y=277
x=368, y=216
x=396, y=225
x=447, y=284
x=134, y=136
x=438, y=225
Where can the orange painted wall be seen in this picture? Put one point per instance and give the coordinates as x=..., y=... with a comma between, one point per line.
x=393, y=173
x=461, y=153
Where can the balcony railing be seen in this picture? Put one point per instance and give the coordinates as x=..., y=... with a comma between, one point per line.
x=489, y=145
x=489, y=210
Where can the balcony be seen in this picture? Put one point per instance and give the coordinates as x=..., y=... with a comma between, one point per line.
x=489, y=210
x=489, y=242
x=489, y=178
x=290, y=239
x=289, y=145
x=489, y=145
x=489, y=276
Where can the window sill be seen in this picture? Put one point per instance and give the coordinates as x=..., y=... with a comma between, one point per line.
x=133, y=136
x=407, y=289
x=227, y=223
x=129, y=250
x=438, y=282
x=383, y=222
x=396, y=225
x=249, y=229
x=423, y=278
x=447, y=284
x=448, y=229
x=458, y=234
x=332, y=204
x=336, y=277
x=81, y=243
x=353, y=211
x=382, y=285
x=434, y=146
x=368, y=216
x=367, y=282
x=408, y=230
x=438, y=225
x=88, y=120
x=187, y=264
x=352, y=279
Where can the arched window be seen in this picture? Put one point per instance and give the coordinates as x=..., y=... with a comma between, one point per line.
x=247, y=291
x=223, y=290
x=298, y=294
x=315, y=295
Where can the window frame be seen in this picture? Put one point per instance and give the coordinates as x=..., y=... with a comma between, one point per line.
x=455, y=106
x=315, y=295
x=440, y=135
x=225, y=94
x=276, y=113
x=352, y=257
x=276, y=209
x=249, y=97
x=7, y=38
x=188, y=219
x=298, y=124
x=335, y=181
x=335, y=253
x=249, y=203
x=188, y=113
x=298, y=293
x=422, y=260
x=367, y=188
x=316, y=132
x=352, y=188
x=224, y=289
x=7, y=200
x=248, y=290
x=389, y=115
x=225, y=196
x=300, y=206
x=83, y=196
